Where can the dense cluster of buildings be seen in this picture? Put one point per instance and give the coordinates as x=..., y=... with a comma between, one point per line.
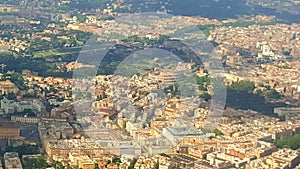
x=273, y=39
x=156, y=26
x=155, y=117
x=280, y=76
x=159, y=131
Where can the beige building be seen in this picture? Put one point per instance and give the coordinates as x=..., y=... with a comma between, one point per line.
x=22, y=119
x=9, y=130
x=1, y=167
x=64, y=147
x=7, y=9
x=81, y=160
x=8, y=87
x=12, y=161
x=164, y=77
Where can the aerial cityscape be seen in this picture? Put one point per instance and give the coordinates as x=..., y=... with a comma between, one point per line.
x=149, y=84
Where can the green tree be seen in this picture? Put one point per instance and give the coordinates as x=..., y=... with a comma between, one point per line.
x=165, y=155
x=243, y=86
x=24, y=149
x=218, y=132
x=292, y=142
x=205, y=96
x=35, y=162
x=203, y=82
x=132, y=164
x=11, y=96
x=273, y=94
x=18, y=80
x=81, y=18
x=116, y=160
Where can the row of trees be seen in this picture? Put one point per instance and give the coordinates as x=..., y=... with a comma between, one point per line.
x=40, y=162
x=292, y=142
x=88, y=4
x=76, y=38
x=16, y=78
x=240, y=95
x=24, y=149
x=250, y=86
x=243, y=86
x=34, y=64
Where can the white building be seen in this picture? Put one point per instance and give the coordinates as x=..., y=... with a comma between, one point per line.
x=12, y=160
x=175, y=134
x=10, y=106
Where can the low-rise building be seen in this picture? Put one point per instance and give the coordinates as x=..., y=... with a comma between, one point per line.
x=11, y=106
x=9, y=130
x=175, y=134
x=12, y=161
x=22, y=119
x=81, y=160
x=7, y=87
x=64, y=147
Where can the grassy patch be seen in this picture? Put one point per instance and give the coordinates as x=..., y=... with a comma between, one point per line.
x=56, y=52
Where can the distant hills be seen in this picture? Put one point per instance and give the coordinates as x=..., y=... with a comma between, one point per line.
x=285, y=10
x=220, y=9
